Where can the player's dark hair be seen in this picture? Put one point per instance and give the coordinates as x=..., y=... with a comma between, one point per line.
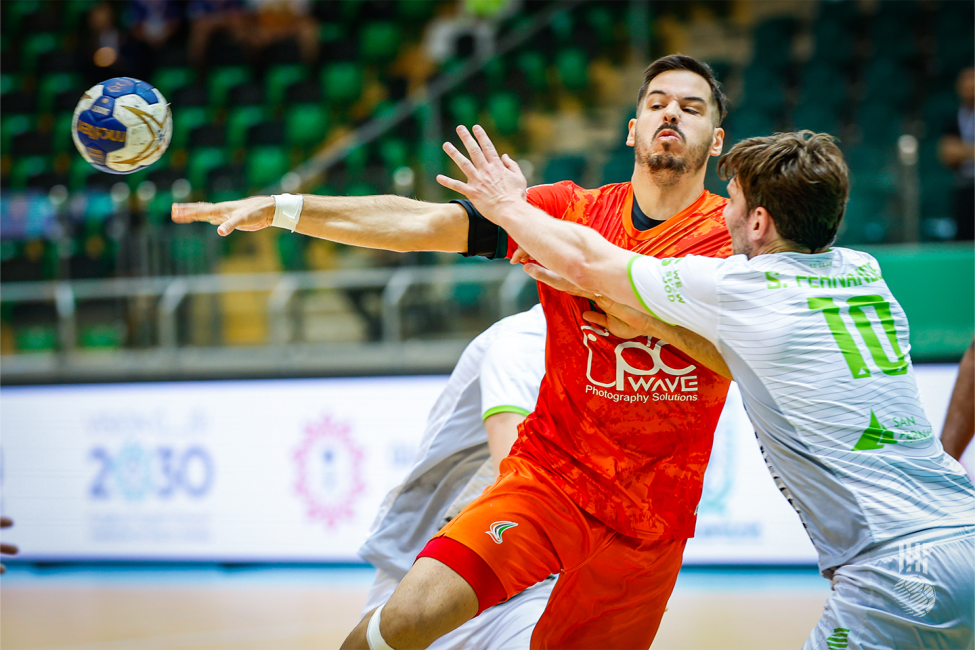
x=689, y=63
x=800, y=178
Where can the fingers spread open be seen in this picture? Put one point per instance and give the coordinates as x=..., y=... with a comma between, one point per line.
x=477, y=155
x=510, y=163
x=460, y=160
x=490, y=153
x=455, y=185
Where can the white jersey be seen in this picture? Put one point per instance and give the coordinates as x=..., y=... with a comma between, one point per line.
x=500, y=371
x=820, y=350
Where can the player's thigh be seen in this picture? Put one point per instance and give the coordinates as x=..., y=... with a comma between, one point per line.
x=615, y=599
x=506, y=626
x=382, y=588
x=523, y=529
x=919, y=595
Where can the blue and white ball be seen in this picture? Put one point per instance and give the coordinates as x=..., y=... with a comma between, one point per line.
x=122, y=125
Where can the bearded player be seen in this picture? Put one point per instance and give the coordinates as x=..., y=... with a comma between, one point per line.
x=604, y=480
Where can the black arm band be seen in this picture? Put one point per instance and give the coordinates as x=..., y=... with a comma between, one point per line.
x=483, y=237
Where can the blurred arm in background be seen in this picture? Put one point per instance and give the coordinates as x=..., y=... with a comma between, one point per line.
x=960, y=420
x=388, y=222
x=502, y=431
x=6, y=549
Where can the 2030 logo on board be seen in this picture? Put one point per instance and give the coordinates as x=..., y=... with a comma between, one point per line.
x=134, y=472
x=330, y=474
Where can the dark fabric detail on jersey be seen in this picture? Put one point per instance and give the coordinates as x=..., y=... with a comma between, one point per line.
x=641, y=221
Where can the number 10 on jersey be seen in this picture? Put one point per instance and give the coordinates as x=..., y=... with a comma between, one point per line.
x=848, y=346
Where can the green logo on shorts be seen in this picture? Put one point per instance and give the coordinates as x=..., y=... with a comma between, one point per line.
x=838, y=639
x=498, y=528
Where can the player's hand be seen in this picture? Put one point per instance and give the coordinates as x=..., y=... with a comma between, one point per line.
x=521, y=257
x=254, y=213
x=6, y=549
x=492, y=180
x=621, y=320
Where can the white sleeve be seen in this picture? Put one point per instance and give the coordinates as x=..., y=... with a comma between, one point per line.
x=679, y=291
x=511, y=373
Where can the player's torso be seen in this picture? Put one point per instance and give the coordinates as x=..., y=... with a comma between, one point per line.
x=628, y=424
x=821, y=350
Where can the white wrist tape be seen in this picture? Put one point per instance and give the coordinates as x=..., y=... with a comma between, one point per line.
x=373, y=636
x=287, y=210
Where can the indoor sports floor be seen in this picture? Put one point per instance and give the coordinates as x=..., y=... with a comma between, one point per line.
x=259, y=608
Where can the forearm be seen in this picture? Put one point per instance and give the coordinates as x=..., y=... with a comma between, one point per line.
x=502, y=431
x=960, y=421
x=693, y=345
x=576, y=252
x=388, y=222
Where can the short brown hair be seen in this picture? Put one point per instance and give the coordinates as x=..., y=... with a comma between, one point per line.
x=800, y=178
x=689, y=63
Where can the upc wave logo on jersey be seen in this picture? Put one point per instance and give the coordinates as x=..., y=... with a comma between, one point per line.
x=498, y=528
x=629, y=383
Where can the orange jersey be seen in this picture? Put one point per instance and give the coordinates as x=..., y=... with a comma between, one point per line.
x=625, y=427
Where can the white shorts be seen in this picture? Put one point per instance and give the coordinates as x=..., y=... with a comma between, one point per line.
x=507, y=626
x=917, y=592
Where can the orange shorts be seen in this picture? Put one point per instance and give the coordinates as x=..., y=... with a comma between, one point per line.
x=612, y=589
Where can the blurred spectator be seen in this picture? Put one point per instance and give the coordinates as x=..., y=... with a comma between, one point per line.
x=151, y=24
x=457, y=33
x=208, y=17
x=277, y=20
x=6, y=549
x=957, y=151
x=104, y=43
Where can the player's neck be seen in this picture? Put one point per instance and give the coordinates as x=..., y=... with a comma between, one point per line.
x=661, y=201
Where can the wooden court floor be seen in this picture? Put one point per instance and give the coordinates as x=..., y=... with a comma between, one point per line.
x=316, y=610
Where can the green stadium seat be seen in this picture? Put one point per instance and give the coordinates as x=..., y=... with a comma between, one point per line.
x=360, y=189
x=61, y=133
x=463, y=109
x=416, y=11
x=72, y=14
x=9, y=83
x=28, y=166
x=15, y=12
x=102, y=336
x=221, y=80
x=53, y=84
x=160, y=207
x=823, y=83
x=533, y=65
x=567, y=168
x=185, y=119
x=35, y=45
x=266, y=165
x=619, y=168
x=834, y=40
x=763, y=88
x=305, y=125
x=379, y=41
x=573, y=68
x=201, y=161
x=599, y=19
x=189, y=251
x=291, y=251
x=394, y=152
x=169, y=80
x=279, y=78
x=505, y=111
x=79, y=172
x=880, y=124
x=239, y=122
x=886, y=81
x=11, y=125
x=342, y=82
x=818, y=117
x=37, y=338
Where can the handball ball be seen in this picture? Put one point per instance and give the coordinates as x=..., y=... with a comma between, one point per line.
x=122, y=125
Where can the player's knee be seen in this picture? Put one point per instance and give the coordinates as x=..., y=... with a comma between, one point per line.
x=405, y=623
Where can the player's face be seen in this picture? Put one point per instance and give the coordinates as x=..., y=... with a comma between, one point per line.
x=736, y=218
x=674, y=132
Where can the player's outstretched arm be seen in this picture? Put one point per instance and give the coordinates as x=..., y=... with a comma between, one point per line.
x=496, y=187
x=389, y=222
x=960, y=421
x=627, y=323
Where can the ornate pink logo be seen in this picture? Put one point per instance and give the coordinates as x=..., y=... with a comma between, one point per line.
x=329, y=471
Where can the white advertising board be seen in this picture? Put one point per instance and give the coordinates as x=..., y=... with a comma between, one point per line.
x=292, y=470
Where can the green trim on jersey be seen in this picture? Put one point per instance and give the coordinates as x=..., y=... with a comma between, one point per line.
x=505, y=409
x=636, y=292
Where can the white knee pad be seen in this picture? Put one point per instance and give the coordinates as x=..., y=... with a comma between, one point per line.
x=373, y=636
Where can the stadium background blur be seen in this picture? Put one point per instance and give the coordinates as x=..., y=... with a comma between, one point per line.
x=355, y=97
